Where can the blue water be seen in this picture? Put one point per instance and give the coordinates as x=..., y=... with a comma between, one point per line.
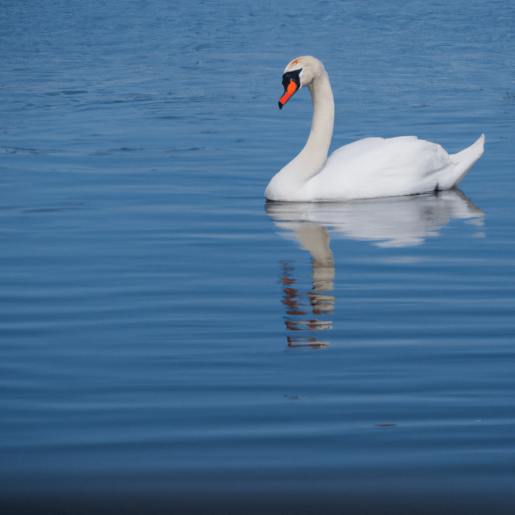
x=170, y=343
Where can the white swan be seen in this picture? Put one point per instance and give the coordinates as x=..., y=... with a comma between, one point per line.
x=369, y=168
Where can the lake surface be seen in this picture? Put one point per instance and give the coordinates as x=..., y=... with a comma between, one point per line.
x=171, y=343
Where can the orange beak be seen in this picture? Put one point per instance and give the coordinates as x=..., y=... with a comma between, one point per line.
x=290, y=90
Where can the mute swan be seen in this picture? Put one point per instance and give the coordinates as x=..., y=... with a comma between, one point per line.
x=368, y=168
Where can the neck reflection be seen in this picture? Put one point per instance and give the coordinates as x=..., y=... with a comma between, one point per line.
x=301, y=316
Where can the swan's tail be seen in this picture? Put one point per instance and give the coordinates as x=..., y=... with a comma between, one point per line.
x=465, y=159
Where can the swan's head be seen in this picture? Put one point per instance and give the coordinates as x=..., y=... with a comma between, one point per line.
x=299, y=72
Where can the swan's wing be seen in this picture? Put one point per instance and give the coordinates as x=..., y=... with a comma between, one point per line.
x=355, y=148
x=377, y=167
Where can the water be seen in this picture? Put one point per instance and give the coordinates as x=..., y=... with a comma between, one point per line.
x=169, y=342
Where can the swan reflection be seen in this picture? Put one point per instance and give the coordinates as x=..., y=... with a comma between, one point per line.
x=388, y=222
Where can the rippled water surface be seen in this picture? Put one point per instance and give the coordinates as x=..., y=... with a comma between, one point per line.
x=170, y=343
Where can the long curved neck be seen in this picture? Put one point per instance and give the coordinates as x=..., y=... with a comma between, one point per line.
x=317, y=146
x=312, y=158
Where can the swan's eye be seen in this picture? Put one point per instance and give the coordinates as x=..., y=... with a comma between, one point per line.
x=291, y=83
x=294, y=75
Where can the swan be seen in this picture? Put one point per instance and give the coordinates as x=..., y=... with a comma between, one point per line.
x=368, y=168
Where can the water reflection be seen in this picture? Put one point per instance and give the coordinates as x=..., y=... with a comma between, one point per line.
x=387, y=222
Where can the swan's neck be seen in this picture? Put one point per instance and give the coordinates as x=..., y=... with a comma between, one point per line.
x=315, y=152
x=286, y=184
x=314, y=155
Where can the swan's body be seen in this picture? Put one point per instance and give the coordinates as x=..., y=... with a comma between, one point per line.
x=369, y=168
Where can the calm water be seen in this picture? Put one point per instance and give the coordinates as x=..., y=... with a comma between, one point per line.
x=171, y=343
